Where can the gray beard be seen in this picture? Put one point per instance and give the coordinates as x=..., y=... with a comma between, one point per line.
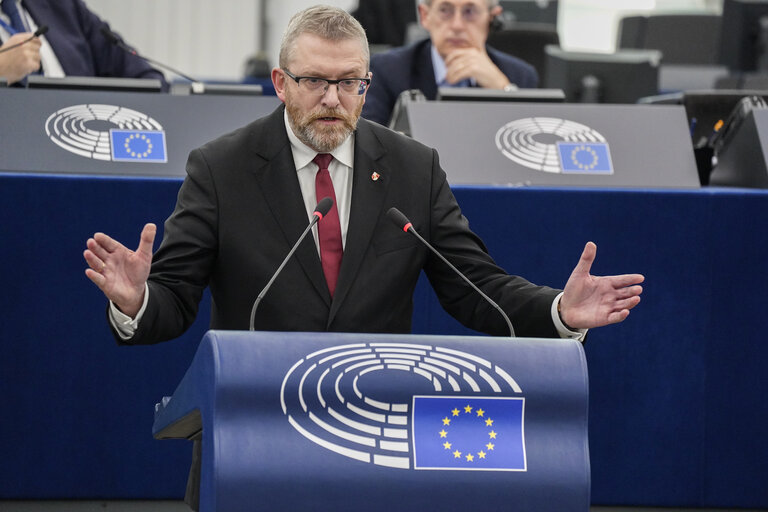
x=320, y=141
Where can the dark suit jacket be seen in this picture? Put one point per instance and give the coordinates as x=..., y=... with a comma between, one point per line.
x=410, y=67
x=74, y=34
x=240, y=210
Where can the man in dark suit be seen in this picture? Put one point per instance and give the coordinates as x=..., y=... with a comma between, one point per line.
x=455, y=55
x=73, y=44
x=249, y=194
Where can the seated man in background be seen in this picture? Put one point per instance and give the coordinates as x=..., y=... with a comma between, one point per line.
x=454, y=55
x=72, y=46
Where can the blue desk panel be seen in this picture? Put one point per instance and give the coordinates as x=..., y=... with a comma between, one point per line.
x=677, y=408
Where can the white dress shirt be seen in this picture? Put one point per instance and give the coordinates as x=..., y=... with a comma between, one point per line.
x=340, y=169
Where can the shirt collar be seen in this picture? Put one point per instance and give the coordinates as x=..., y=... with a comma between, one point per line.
x=438, y=65
x=303, y=154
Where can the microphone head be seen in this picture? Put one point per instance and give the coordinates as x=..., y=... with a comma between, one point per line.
x=42, y=29
x=398, y=218
x=324, y=206
x=111, y=37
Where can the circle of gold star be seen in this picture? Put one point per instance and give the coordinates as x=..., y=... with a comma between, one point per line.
x=136, y=154
x=479, y=414
x=585, y=149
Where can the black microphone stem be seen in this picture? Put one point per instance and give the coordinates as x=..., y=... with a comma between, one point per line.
x=465, y=278
x=40, y=31
x=263, y=292
x=158, y=64
x=114, y=39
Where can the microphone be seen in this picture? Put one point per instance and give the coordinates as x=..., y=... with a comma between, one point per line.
x=403, y=223
x=115, y=40
x=40, y=31
x=321, y=209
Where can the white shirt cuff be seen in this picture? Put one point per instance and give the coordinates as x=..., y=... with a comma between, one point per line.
x=123, y=324
x=562, y=330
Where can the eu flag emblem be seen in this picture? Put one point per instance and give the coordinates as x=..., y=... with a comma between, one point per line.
x=468, y=433
x=138, y=146
x=584, y=158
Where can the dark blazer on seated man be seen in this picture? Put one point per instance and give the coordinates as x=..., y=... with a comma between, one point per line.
x=74, y=34
x=410, y=67
x=240, y=210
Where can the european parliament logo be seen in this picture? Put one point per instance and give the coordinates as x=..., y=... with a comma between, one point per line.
x=408, y=406
x=554, y=145
x=138, y=146
x=585, y=158
x=107, y=132
x=468, y=433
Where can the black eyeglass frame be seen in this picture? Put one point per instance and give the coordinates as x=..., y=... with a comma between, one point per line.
x=329, y=82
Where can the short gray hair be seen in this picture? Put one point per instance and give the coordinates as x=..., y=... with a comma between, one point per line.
x=323, y=21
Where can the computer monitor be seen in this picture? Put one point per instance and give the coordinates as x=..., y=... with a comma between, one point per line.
x=93, y=83
x=534, y=11
x=620, y=77
x=479, y=94
x=706, y=110
x=744, y=35
x=186, y=88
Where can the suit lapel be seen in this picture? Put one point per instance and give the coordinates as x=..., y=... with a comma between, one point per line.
x=59, y=25
x=276, y=176
x=423, y=71
x=368, y=193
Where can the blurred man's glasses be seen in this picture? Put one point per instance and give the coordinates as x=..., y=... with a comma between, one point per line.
x=470, y=13
x=318, y=86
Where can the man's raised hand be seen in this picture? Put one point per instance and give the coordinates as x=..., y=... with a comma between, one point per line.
x=118, y=271
x=593, y=301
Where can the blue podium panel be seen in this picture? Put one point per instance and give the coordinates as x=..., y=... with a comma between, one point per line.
x=307, y=421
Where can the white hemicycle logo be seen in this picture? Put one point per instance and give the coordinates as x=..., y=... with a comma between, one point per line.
x=108, y=133
x=324, y=397
x=533, y=142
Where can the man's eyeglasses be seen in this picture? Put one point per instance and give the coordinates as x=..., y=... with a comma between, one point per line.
x=318, y=86
x=470, y=13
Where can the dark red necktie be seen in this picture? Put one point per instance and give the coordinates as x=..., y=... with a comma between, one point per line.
x=328, y=229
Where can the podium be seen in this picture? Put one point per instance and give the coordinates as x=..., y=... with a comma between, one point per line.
x=376, y=422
